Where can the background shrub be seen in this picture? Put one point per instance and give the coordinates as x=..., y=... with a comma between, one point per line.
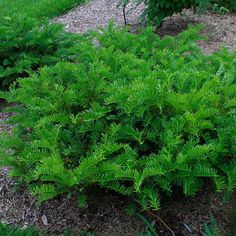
x=229, y=5
x=36, y=9
x=27, y=45
x=136, y=114
x=157, y=10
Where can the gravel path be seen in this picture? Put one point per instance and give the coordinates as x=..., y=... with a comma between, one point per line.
x=220, y=30
x=98, y=13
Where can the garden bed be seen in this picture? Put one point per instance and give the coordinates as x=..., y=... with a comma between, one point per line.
x=106, y=214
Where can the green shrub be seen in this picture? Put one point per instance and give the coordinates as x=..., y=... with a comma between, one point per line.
x=136, y=114
x=224, y=5
x=36, y=9
x=157, y=10
x=26, y=45
x=15, y=231
x=6, y=230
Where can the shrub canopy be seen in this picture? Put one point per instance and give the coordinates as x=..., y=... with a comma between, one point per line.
x=135, y=113
x=26, y=45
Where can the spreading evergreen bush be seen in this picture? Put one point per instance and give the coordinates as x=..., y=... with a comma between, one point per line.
x=135, y=114
x=26, y=45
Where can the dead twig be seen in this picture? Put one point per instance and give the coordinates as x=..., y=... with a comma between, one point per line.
x=28, y=210
x=124, y=14
x=156, y=216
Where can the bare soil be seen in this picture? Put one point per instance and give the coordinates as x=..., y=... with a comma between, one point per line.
x=220, y=30
x=106, y=215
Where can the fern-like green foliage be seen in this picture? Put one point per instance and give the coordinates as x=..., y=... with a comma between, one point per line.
x=135, y=114
x=6, y=230
x=26, y=45
x=36, y=9
x=16, y=231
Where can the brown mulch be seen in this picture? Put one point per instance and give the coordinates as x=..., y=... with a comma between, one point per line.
x=220, y=30
x=189, y=215
x=105, y=214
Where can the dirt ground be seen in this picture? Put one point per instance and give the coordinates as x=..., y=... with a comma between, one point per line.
x=220, y=30
x=106, y=214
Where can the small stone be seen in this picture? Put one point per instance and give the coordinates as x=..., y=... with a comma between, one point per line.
x=44, y=219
